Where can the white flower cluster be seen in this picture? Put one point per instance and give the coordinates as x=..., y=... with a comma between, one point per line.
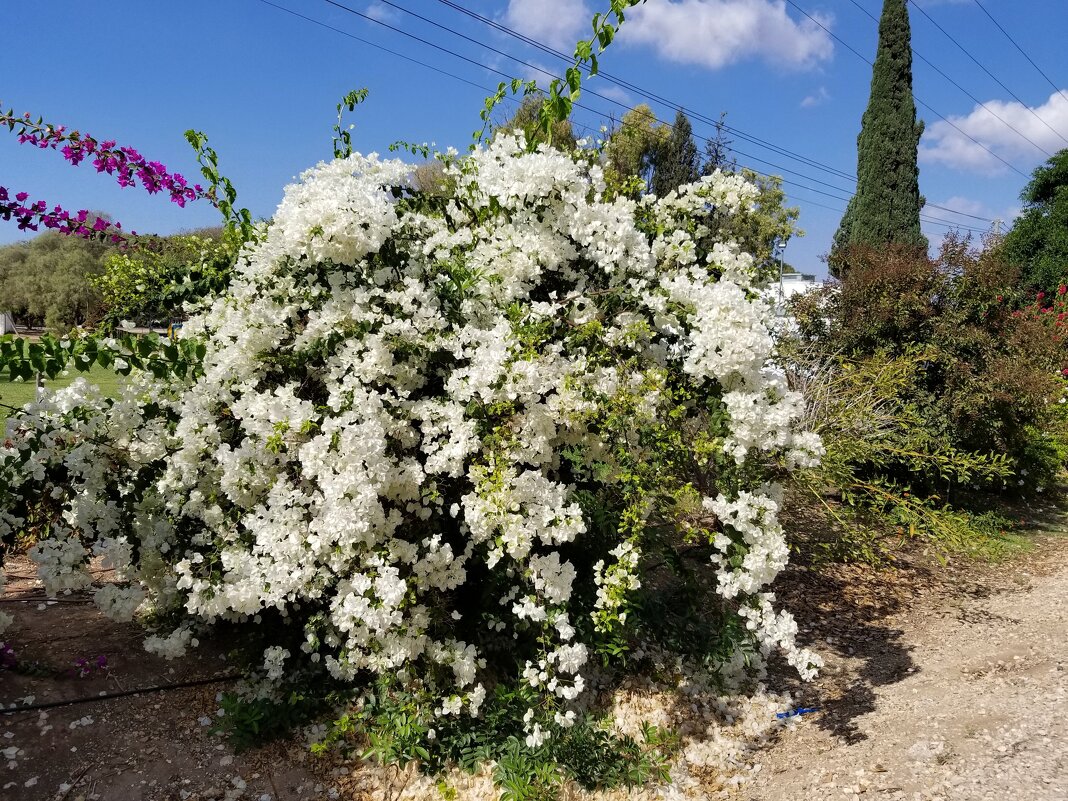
x=404, y=402
x=764, y=553
x=616, y=584
x=274, y=659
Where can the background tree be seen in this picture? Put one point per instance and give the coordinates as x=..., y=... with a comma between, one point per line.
x=718, y=153
x=770, y=219
x=527, y=119
x=1038, y=242
x=632, y=145
x=635, y=153
x=430, y=177
x=886, y=206
x=676, y=161
x=47, y=280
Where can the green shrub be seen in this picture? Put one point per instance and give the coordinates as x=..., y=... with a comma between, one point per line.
x=151, y=283
x=932, y=396
x=984, y=380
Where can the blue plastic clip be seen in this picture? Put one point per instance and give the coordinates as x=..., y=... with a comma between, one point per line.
x=796, y=712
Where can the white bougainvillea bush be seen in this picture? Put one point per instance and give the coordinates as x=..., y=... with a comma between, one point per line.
x=442, y=440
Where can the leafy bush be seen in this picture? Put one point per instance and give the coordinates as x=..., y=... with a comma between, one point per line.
x=435, y=441
x=985, y=379
x=1051, y=312
x=931, y=396
x=152, y=282
x=889, y=470
x=395, y=727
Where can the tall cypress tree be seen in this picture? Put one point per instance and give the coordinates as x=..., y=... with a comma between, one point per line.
x=676, y=161
x=886, y=206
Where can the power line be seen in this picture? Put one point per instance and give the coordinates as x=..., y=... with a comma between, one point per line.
x=486, y=89
x=505, y=75
x=988, y=72
x=925, y=105
x=646, y=93
x=975, y=99
x=924, y=218
x=496, y=71
x=1022, y=51
x=552, y=75
x=653, y=96
x=376, y=45
x=598, y=113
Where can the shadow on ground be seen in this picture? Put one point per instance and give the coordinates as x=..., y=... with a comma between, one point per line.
x=846, y=612
x=842, y=613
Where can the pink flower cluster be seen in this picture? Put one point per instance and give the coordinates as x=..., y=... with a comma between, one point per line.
x=129, y=166
x=30, y=215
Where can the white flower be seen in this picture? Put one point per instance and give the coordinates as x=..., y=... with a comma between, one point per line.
x=398, y=398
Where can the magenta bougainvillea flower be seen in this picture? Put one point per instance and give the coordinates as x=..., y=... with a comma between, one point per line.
x=33, y=215
x=128, y=166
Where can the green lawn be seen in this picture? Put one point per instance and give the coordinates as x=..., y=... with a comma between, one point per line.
x=17, y=393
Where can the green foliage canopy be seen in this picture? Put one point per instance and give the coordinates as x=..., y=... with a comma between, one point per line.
x=643, y=154
x=631, y=147
x=527, y=120
x=987, y=382
x=1038, y=242
x=47, y=280
x=676, y=160
x=151, y=284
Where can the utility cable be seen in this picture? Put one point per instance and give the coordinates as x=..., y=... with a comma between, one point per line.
x=657, y=98
x=508, y=77
x=917, y=99
x=1022, y=51
x=974, y=99
x=988, y=72
x=577, y=105
x=645, y=93
x=376, y=45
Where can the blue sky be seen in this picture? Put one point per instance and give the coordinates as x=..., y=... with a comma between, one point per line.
x=263, y=84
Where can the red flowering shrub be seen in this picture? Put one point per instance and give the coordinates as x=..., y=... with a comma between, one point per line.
x=1051, y=312
x=988, y=380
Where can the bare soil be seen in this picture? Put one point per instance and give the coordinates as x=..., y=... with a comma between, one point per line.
x=942, y=682
x=154, y=745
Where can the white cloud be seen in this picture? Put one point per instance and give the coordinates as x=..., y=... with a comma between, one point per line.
x=557, y=23
x=816, y=99
x=716, y=33
x=943, y=144
x=610, y=90
x=383, y=13
x=708, y=33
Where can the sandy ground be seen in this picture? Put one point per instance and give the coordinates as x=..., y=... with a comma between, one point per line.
x=959, y=695
x=150, y=746
x=941, y=683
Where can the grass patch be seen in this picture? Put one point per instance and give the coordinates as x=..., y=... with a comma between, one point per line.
x=18, y=393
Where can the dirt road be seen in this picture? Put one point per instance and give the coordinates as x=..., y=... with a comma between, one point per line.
x=941, y=683
x=958, y=697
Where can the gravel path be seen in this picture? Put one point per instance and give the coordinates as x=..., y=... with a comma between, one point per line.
x=946, y=683
x=970, y=702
